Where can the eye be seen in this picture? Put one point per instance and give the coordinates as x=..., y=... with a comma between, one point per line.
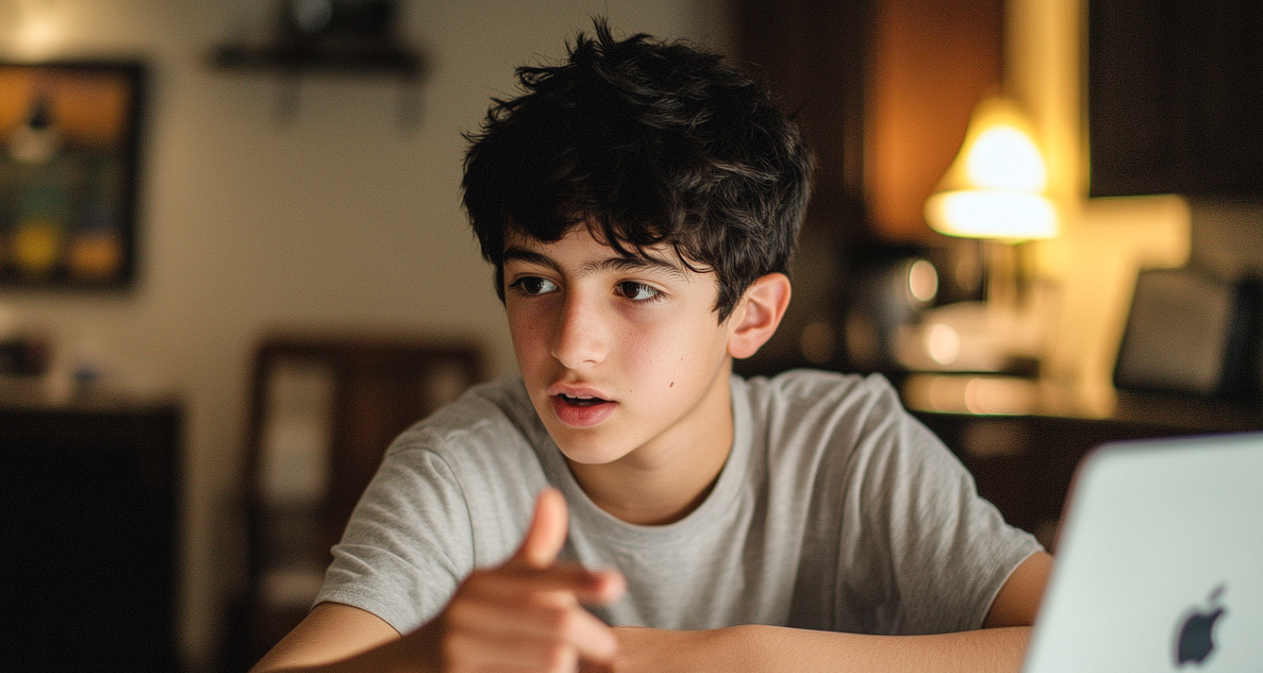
x=533, y=285
x=638, y=291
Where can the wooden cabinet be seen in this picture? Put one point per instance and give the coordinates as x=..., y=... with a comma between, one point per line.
x=89, y=514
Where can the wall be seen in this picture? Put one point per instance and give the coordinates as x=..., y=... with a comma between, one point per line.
x=339, y=218
x=930, y=62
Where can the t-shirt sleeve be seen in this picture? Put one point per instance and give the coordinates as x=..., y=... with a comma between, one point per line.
x=409, y=542
x=932, y=553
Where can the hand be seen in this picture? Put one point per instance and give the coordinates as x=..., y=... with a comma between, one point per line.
x=526, y=615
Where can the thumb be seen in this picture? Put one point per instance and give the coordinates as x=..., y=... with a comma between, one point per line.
x=547, y=532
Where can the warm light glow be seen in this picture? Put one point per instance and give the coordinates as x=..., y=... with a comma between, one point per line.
x=983, y=213
x=943, y=344
x=39, y=31
x=1003, y=157
x=993, y=396
x=995, y=188
x=985, y=395
x=922, y=281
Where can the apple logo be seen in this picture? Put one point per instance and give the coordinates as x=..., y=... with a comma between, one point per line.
x=1194, y=641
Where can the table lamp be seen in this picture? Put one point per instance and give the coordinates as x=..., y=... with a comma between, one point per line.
x=994, y=191
x=995, y=187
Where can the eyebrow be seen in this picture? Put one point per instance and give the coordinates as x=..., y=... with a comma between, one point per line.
x=628, y=263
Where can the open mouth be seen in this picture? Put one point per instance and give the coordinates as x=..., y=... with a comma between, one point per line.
x=582, y=411
x=581, y=401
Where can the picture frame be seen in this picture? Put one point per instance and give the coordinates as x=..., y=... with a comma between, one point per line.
x=70, y=134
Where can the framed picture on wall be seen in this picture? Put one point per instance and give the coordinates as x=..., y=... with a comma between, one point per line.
x=69, y=140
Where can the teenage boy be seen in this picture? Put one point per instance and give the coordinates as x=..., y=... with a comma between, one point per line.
x=639, y=203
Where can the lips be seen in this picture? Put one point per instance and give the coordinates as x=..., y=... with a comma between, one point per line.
x=581, y=409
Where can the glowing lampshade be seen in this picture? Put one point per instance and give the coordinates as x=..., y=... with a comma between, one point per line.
x=995, y=187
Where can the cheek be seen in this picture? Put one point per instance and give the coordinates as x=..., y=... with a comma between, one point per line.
x=527, y=337
x=675, y=347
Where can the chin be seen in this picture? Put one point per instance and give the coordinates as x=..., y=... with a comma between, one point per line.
x=587, y=450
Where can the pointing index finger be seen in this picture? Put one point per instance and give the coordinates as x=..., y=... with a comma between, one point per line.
x=547, y=532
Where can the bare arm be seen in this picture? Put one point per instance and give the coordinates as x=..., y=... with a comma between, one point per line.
x=331, y=633
x=1018, y=600
x=774, y=649
x=1000, y=646
x=524, y=615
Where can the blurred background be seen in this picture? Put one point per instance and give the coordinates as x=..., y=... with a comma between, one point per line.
x=291, y=205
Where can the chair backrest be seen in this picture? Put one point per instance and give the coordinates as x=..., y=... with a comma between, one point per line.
x=323, y=410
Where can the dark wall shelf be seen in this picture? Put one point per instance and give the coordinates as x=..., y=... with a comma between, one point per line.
x=383, y=60
x=293, y=61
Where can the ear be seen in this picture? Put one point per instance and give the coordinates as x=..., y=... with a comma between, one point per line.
x=758, y=314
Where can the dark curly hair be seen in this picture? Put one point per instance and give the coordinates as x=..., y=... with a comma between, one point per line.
x=647, y=143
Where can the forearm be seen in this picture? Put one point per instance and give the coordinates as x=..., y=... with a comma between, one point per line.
x=306, y=652
x=767, y=649
x=752, y=649
x=982, y=651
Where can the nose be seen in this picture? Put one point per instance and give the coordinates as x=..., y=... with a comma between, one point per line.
x=579, y=337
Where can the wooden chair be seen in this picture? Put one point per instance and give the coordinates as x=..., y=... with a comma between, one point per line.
x=323, y=409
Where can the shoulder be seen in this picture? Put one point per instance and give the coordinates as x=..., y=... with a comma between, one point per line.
x=473, y=464
x=810, y=383
x=802, y=395
x=842, y=419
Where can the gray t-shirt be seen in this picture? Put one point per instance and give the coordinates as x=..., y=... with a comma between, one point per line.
x=835, y=510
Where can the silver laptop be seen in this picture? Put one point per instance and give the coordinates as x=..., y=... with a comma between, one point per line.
x=1159, y=561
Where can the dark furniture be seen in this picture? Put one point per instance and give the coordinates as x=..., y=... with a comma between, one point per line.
x=323, y=410
x=89, y=514
x=1174, y=94
x=349, y=38
x=1025, y=464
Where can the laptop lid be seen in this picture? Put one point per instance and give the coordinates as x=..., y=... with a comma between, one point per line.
x=1159, y=566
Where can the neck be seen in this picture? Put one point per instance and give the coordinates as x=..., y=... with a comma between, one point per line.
x=642, y=499
x=663, y=482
